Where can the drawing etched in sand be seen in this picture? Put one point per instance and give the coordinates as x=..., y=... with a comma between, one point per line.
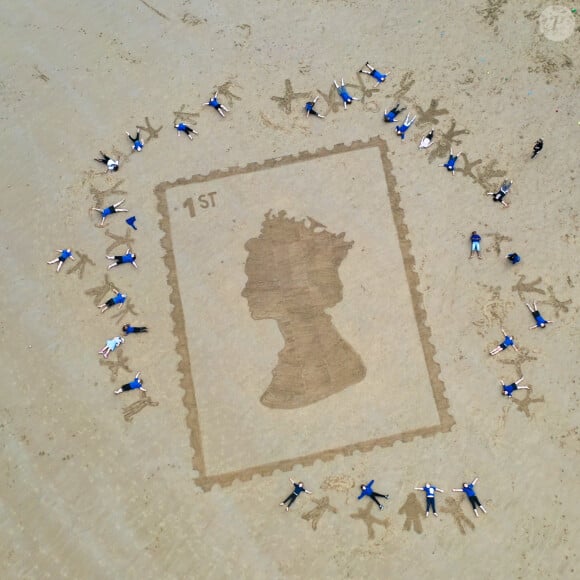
x=292, y=270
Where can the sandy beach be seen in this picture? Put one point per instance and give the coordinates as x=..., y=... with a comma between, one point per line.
x=312, y=309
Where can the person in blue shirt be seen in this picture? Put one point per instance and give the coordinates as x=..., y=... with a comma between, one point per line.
x=367, y=491
x=137, y=143
x=109, y=211
x=468, y=490
x=112, y=164
x=183, y=128
x=309, y=108
x=136, y=383
x=391, y=116
x=373, y=72
x=111, y=345
x=450, y=165
x=540, y=320
x=128, y=329
x=127, y=258
x=347, y=99
x=514, y=258
x=402, y=129
x=117, y=299
x=507, y=342
x=213, y=102
x=507, y=390
x=430, y=497
x=298, y=489
x=475, y=240
x=427, y=141
x=64, y=255
x=502, y=192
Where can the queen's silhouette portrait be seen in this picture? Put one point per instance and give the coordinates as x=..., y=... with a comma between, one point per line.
x=292, y=270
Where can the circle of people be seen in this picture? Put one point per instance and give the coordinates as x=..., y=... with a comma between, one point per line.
x=390, y=116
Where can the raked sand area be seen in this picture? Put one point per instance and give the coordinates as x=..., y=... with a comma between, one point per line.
x=312, y=309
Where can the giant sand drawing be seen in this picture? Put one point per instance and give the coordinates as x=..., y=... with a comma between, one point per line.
x=287, y=324
x=292, y=271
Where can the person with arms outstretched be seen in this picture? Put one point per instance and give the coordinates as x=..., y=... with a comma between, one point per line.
x=402, y=129
x=112, y=164
x=507, y=390
x=109, y=211
x=117, y=299
x=450, y=165
x=502, y=192
x=347, y=99
x=427, y=141
x=186, y=129
x=430, y=497
x=126, y=258
x=137, y=143
x=507, y=342
x=540, y=320
x=64, y=255
x=367, y=491
x=215, y=104
x=298, y=489
x=309, y=108
x=136, y=383
x=391, y=116
x=373, y=72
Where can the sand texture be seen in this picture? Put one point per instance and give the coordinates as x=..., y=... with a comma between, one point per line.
x=312, y=309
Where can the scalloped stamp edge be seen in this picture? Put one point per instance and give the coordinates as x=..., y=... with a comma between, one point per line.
x=446, y=420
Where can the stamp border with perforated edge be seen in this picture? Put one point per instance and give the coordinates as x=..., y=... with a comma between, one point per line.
x=446, y=420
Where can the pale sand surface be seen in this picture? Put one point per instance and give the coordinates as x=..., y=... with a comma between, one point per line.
x=87, y=494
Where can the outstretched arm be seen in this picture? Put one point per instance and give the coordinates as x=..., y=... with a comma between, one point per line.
x=291, y=481
x=306, y=491
x=439, y=490
x=475, y=481
x=456, y=489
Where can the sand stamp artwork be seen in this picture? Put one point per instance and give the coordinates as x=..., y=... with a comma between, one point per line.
x=300, y=328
